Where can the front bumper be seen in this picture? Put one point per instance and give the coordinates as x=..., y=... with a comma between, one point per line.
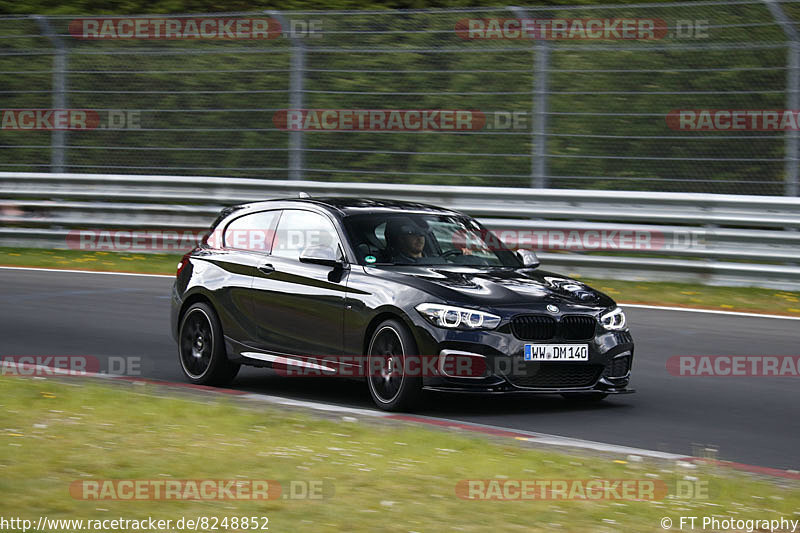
x=607, y=370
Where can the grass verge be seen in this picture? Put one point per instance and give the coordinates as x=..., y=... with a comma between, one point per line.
x=378, y=476
x=747, y=299
x=85, y=260
x=654, y=293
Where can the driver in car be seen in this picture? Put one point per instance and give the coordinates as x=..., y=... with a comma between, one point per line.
x=405, y=240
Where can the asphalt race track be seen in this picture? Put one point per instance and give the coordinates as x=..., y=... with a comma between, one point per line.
x=748, y=419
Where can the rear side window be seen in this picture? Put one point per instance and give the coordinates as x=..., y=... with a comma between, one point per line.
x=300, y=231
x=254, y=232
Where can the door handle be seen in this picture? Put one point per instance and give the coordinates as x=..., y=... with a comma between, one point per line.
x=266, y=269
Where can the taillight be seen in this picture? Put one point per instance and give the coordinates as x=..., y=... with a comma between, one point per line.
x=184, y=261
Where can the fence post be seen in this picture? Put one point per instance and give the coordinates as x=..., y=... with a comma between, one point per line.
x=58, y=138
x=792, y=93
x=297, y=65
x=793, y=103
x=539, y=109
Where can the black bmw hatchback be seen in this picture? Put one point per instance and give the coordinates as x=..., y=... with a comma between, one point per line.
x=404, y=296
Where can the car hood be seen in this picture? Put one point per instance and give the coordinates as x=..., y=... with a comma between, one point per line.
x=495, y=287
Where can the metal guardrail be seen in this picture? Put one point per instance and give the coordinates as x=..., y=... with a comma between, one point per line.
x=706, y=238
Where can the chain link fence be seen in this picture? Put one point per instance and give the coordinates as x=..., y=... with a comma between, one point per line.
x=579, y=98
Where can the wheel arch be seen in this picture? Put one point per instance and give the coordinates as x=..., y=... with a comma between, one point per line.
x=192, y=299
x=384, y=314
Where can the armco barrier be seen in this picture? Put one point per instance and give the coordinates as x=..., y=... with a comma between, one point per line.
x=715, y=239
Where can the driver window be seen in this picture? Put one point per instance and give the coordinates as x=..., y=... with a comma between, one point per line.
x=300, y=231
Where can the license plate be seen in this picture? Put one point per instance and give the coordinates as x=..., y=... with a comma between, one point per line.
x=556, y=352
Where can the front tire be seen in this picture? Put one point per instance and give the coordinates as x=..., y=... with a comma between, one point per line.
x=201, y=348
x=390, y=349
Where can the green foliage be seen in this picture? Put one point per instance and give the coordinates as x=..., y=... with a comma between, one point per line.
x=207, y=106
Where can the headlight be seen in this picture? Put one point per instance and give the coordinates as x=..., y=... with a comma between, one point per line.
x=447, y=316
x=614, y=320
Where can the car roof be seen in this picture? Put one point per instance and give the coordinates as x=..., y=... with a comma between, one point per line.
x=346, y=206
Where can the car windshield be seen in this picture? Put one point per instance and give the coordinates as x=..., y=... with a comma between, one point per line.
x=425, y=239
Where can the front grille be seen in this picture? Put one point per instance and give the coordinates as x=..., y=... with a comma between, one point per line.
x=543, y=327
x=618, y=367
x=557, y=375
x=577, y=327
x=534, y=327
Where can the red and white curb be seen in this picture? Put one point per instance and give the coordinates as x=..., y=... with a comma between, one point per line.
x=521, y=435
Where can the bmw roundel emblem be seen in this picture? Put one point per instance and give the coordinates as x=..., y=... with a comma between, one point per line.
x=552, y=308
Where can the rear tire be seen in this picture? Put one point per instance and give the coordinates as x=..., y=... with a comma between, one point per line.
x=390, y=349
x=201, y=348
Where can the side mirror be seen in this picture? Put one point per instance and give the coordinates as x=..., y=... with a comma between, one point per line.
x=323, y=255
x=528, y=258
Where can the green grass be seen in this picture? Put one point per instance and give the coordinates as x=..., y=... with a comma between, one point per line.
x=377, y=476
x=751, y=299
x=655, y=293
x=84, y=260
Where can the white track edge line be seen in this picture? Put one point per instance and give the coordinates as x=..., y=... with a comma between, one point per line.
x=711, y=311
x=87, y=272
x=291, y=402
x=558, y=440
x=640, y=306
